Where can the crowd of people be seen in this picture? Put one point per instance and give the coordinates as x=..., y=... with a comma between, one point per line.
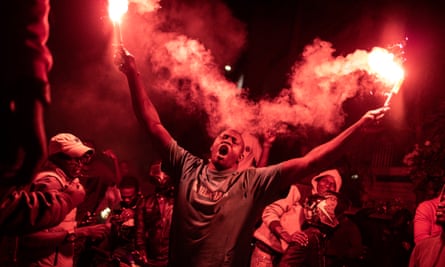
x=60, y=207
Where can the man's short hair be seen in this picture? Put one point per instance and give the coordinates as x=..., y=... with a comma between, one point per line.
x=129, y=181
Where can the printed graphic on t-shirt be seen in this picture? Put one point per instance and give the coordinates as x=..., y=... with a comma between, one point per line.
x=207, y=194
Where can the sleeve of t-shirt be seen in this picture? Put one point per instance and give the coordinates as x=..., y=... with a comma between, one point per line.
x=179, y=161
x=265, y=183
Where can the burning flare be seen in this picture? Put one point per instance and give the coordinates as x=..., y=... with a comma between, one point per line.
x=388, y=69
x=116, y=9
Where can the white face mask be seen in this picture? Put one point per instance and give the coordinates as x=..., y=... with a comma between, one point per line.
x=320, y=210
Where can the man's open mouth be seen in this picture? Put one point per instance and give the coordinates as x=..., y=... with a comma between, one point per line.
x=223, y=150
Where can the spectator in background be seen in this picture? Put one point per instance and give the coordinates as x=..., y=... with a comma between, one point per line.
x=154, y=219
x=344, y=248
x=119, y=248
x=430, y=251
x=255, y=154
x=99, y=179
x=283, y=221
x=24, y=95
x=123, y=233
x=112, y=196
x=327, y=237
x=425, y=220
x=279, y=221
x=55, y=245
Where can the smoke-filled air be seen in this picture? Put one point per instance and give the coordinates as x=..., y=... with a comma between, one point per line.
x=181, y=48
x=187, y=70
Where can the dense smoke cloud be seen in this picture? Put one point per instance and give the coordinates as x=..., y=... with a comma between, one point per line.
x=186, y=70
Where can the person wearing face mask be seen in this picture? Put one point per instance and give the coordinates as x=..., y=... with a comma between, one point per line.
x=282, y=221
x=153, y=223
x=325, y=237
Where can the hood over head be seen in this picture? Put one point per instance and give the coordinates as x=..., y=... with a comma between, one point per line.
x=333, y=173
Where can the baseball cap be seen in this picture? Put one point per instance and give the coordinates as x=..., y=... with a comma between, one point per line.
x=68, y=144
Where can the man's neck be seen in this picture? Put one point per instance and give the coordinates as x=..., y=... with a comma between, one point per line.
x=213, y=167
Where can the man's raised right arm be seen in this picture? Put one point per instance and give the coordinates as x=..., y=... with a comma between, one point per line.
x=143, y=107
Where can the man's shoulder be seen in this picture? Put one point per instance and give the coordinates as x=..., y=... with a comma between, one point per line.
x=178, y=152
x=51, y=179
x=267, y=170
x=305, y=191
x=428, y=204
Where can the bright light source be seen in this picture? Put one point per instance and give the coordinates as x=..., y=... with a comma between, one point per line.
x=105, y=213
x=228, y=67
x=116, y=9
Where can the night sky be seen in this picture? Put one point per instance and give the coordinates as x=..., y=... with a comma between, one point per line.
x=261, y=40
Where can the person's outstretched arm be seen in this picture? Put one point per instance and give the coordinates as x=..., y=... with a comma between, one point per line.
x=321, y=156
x=143, y=108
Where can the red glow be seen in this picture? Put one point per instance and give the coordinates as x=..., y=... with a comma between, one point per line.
x=386, y=67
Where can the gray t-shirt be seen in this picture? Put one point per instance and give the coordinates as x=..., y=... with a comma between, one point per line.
x=215, y=213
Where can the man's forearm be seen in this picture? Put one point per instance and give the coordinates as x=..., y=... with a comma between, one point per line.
x=323, y=155
x=45, y=239
x=330, y=150
x=24, y=212
x=145, y=110
x=142, y=104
